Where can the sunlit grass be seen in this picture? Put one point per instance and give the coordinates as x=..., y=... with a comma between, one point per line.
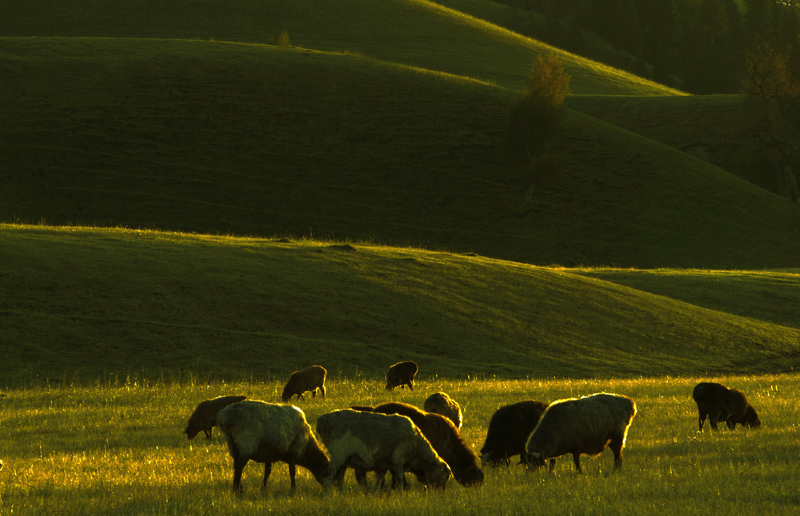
x=80, y=303
x=117, y=448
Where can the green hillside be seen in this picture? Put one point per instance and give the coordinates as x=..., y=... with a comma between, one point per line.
x=263, y=140
x=412, y=32
x=715, y=128
x=81, y=304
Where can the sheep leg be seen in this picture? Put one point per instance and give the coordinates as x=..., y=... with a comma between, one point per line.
x=713, y=421
x=314, y=393
x=616, y=448
x=552, y=465
x=398, y=478
x=361, y=476
x=207, y=432
x=267, y=471
x=239, y=463
x=576, y=458
x=292, y=473
x=322, y=390
x=702, y=414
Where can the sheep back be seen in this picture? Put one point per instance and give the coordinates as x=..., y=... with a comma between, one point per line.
x=401, y=374
x=445, y=439
x=374, y=442
x=204, y=416
x=509, y=429
x=723, y=404
x=582, y=426
x=309, y=379
x=441, y=403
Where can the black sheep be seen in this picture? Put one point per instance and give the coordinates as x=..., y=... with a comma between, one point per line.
x=401, y=374
x=508, y=431
x=204, y=416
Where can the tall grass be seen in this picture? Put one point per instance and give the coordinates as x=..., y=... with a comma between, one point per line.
x=117, y=448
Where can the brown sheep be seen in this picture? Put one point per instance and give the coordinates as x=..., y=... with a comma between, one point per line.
x=581, y=426
x=723, y=404
x=378, y=442
x=401, y=374
x=441, y=403
x=204, y=416
x=309, y=379
x=443, y=436
x=267, y=433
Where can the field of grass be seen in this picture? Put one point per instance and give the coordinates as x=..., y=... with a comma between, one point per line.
x=92, y=302
x=116, y=447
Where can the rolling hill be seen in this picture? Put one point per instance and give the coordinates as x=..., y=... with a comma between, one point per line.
x=381, y=124
x=79, y=304
x=238, y=138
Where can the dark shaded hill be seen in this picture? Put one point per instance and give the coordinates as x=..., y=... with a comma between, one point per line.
x=230, y=138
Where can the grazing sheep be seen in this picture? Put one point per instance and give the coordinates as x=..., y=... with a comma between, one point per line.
x=443, y=436
x=402, y=374
x=309, y=379
x=204, y=416
x=267, y=433
x=584, y=425
x=378, y=442
x=441, y=403
x=723, y=404
x=509, y=430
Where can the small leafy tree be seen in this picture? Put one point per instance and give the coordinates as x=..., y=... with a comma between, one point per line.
x=283, y=39
x=772, y=84
x=535, y=115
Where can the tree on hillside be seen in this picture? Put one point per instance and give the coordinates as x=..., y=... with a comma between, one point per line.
x=535, y=115
x=772, y=84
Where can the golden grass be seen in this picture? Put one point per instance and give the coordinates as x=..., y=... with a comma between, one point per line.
x=117, y=448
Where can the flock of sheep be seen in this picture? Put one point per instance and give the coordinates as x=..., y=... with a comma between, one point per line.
x=397, y=437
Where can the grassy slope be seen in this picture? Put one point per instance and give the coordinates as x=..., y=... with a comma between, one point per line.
x=772, y=296
x=414, y=32
x=716, y=128
x=88, y=302
x=217, y=137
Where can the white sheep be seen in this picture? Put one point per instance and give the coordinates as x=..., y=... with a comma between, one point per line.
x=267, y=433
x=376, y=442
x=583, y=425
x=441, y=403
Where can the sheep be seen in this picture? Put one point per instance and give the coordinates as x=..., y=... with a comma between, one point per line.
x=441, y=403
x=443, y=436
x=309, y=379
x=584, y=425
x=204, y=416
x=376, y=442
x=509, y=429
x=723, y=404
x=267, y=433
x=402, y=374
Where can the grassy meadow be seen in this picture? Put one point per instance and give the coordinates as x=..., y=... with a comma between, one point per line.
x=116, y=447
x=201, y=196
